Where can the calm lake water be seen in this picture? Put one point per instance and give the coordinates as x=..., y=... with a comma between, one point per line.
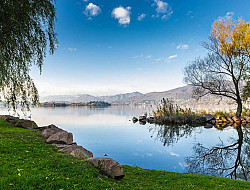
x=178, y=149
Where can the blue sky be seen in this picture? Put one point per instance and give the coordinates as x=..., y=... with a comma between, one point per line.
x=109, y=47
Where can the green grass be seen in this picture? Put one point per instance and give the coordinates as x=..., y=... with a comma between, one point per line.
x=26, y=162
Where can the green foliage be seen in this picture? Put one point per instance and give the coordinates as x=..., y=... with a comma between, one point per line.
x=26, y=162
x=168, y=112
x=220, y=114
x=246, y=111
x=246, y=91
x=26, y=27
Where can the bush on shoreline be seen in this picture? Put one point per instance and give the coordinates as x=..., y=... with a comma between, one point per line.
x=168, y=112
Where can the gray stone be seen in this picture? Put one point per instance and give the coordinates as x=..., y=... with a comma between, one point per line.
x=61, y=137
x=134, y=119
x=27, y=124
x=46, y=133
x=9, y=118
x=109, y=166
x=142, y=118
x=208, y=117
x=77, y=151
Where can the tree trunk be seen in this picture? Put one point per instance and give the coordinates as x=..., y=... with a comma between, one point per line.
x=239, y=107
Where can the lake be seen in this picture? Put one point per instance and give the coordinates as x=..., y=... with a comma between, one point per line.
x=172, y=148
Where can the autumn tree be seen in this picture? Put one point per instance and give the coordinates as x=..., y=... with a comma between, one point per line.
x=26, y=29
x=223, y=70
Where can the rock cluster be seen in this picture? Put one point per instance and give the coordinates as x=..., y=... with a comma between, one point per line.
x=206, y=119
x=64, y=140
x=228, y=120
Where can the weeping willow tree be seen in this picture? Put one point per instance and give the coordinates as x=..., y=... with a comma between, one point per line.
x=26, y=31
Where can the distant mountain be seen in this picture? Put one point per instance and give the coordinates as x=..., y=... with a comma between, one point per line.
x=181, y=96
x=87, y=98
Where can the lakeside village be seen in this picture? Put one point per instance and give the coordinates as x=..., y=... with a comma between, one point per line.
x=80, y=104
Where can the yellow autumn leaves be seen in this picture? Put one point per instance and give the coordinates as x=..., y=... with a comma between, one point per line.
x=233, y=37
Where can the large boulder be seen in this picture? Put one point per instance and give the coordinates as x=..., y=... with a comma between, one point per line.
x=27, y=124
x=10, y=119
x=77, y=151
x=208, y=117
x=109, y=166
x=61, y=137
x=46, y=133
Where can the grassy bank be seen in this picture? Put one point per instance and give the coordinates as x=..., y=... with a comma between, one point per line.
x=26, y=162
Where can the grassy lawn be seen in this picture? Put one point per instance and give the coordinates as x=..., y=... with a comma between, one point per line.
x=26, y=162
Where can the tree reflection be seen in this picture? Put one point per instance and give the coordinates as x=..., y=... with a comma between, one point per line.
x=229, y=161
x=171, y=134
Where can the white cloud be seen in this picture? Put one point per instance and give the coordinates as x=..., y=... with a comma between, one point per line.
x=141, y=56
x=71, y=49
x=173, y=56
x=163, y=9
x=85, y=0
x=141, y=17
x=122, y=14
x=92, y=10
x=174, y=154
x=228, y=16
x=182, y=46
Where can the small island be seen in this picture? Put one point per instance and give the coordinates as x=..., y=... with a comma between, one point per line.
x=80, y=104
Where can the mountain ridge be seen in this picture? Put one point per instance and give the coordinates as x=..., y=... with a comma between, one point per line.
x=181, y=95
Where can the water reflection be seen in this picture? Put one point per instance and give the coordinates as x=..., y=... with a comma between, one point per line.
x=171, y=134
x=231, y=160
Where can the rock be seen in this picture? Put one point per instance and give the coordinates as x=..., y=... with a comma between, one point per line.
x=64, y=145
x=236, y=119
x=208, y=117
x=150, y=120
x=9, y=118
x=142, y=118
x=143, y=122
x=208, y=126
x=109, y=166
x=213, y=121
x=47, y=133
x=27, y=124
x=243, y=120
x=134, y=119
x=230, y=121
x=61, y=137
x=247, y=118
x=77, y=151
x=247, y=125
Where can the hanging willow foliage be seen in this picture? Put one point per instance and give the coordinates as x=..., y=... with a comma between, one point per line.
x=26, y=29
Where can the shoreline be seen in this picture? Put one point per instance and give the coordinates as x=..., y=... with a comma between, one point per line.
x=67, y=171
